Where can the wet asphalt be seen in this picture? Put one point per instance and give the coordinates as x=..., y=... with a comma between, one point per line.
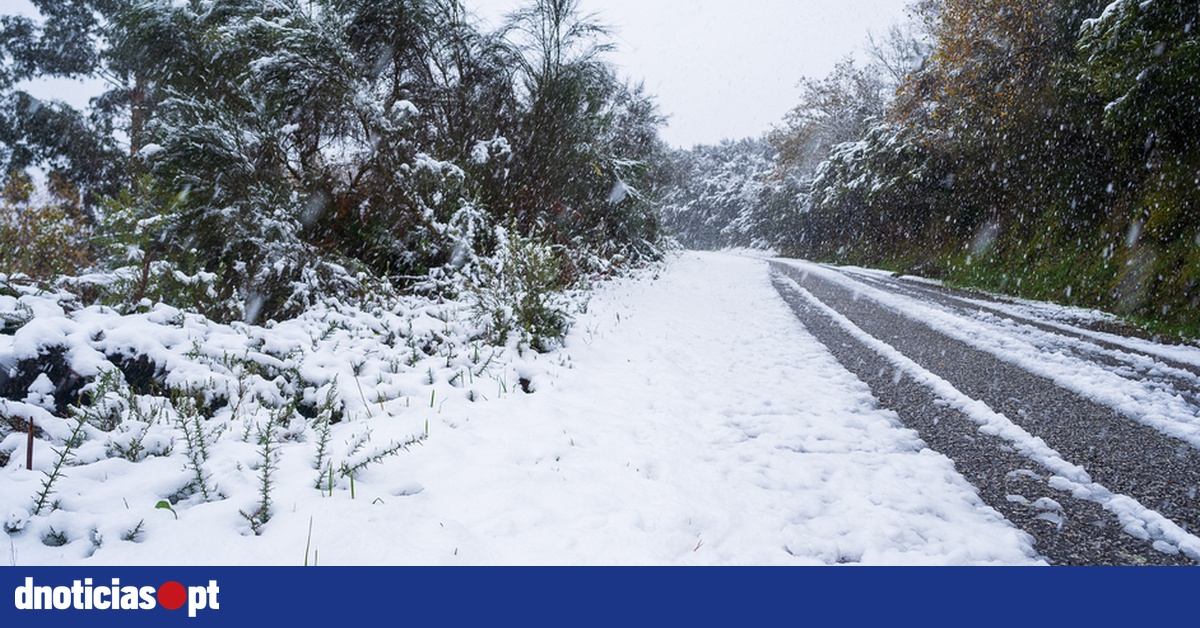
x=1161, y=472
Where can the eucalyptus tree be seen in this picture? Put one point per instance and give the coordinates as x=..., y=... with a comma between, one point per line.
x=66, y=40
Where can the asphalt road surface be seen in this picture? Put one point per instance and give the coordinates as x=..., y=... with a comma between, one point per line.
x=1085, y=441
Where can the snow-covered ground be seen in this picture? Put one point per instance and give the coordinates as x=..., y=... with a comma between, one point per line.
x=690, y=419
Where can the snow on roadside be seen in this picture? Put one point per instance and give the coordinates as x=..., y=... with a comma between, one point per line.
x=690, y=419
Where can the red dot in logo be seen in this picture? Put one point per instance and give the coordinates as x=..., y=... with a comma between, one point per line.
x=171, y=595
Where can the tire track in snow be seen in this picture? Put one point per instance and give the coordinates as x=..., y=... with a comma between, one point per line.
x=1143, y=465
x=1132, y=358
x=1164, y=410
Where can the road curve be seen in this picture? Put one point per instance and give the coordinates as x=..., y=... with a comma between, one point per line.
x=1088, y=442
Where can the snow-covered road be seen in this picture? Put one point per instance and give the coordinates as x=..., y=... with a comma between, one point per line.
x=1086, y=439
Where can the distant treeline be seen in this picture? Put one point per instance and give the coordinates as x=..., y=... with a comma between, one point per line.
x=1046, y=149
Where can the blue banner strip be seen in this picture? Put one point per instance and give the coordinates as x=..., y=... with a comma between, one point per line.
x=571, y=596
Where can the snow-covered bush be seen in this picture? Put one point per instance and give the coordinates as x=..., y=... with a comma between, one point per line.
x=193, y=413
x=520, y=292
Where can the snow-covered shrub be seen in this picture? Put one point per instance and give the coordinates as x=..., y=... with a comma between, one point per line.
x=520, y=291
x=246, y=262
x=133, y=238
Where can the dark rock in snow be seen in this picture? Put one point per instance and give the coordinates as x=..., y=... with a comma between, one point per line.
x=53, y=363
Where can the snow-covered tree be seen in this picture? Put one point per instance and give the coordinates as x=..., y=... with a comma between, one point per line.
x=66, y=42
x=292, y=149
x=564, y=85
x=730, y=195
x=831, y=111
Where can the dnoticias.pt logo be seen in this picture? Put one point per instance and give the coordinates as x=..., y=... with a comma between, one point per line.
x=83, y=595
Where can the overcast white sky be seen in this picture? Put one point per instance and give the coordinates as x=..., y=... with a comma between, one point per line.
x=721, y=69
x=729, y=68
